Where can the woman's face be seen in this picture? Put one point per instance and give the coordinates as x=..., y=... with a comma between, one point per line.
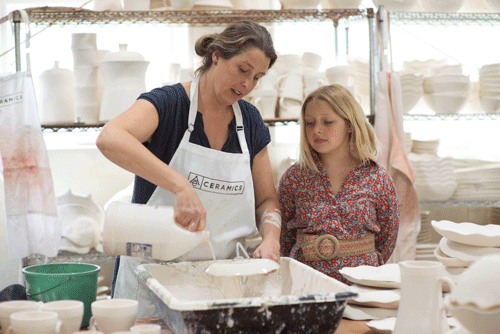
x=237, y=76
x=326, y=131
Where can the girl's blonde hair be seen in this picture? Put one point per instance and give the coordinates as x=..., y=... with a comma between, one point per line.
x=235, y=39
x=362, y=139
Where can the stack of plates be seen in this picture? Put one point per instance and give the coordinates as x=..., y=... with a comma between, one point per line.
x=411, y=90
x=489, y=88
x=425, y=252
x=464, y=243
x=435, y=179
x=422, y=67
x=478, y=182
x=425, y=234
x=425, y=146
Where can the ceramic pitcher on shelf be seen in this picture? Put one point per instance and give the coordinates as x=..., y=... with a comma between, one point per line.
x=421, y=307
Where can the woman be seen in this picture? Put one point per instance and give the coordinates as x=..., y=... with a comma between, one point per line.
x=196, y=146
x=339, y=207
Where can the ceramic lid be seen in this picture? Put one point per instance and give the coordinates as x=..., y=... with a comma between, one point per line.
x=123, y=55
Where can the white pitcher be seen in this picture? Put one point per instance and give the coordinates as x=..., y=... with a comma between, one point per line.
x=421, y=307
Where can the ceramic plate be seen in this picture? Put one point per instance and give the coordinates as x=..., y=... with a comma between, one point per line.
x=449, y=261
x=383, y=326
x=373, y=297
x=465, y=252
x=384, y=276
x=244, y=267
x=469, y=233
x=355, y=312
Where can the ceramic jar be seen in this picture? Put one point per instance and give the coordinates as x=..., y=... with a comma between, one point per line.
x=56, y=96
x=124, y=75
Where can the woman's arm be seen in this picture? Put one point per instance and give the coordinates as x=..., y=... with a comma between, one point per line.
x=266, y=202
x=121, y=141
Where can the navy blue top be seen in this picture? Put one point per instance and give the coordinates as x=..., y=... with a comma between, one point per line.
x=172, y=104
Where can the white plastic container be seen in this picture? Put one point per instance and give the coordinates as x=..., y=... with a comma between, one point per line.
x=147, y=231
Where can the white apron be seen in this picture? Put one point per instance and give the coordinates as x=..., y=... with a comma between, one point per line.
x=223, y=182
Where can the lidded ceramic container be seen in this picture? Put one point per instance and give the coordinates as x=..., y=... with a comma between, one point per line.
x=57, y=97
x=124, y=75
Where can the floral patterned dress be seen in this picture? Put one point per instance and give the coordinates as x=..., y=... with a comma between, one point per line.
x=366, y=203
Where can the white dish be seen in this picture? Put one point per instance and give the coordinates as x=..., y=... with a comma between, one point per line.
x=469, y=233
x=449, y=261
x=465, y=252
x=381, y=298
x=242, y=267
x=384, y=276
x=383, y=326
x=354, y=312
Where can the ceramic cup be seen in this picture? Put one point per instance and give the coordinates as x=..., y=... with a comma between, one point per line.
x=265, y=101
x=112, y=315
x=146, y=329
x=39, y=322
x=268, y=81
x=338, y=75
x=312, y=79
x=70, y=312
x=12, y=306
x=84, y=41
x=291, y=85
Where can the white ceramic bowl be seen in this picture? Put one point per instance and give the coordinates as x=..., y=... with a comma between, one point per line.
x=474, y=320
x=438, y=86
x=490, y=104
x=446, y=103
x=410, y=100
x=494, y=5
x=299, y=4
x=449, y=6
x=182, y=4
x=395, y=5
x=447, y=260
x=436, y=191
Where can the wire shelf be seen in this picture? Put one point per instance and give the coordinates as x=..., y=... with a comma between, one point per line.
x=465, y=203
x=67, y=16
x=444, y=19
x=63, y=257
x=451, y=117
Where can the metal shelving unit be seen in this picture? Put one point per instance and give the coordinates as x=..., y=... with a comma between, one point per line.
x=444, y=19
x=456, y=203
x=451, y=117
x=63, y=257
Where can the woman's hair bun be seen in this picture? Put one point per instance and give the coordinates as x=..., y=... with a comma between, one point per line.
x=203, y=45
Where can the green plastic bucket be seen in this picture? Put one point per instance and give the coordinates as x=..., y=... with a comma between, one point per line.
x=58, y=281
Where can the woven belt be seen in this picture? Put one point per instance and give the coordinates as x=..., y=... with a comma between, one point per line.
x=327, y=247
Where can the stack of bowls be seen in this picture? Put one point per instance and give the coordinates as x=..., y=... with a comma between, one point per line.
x=336, y=4
x=446, y=90
x=489, y=88
x=475, y=300
x=359, y=71
x=422, y=67
x=299, y=4
x=395, y=5
x=411, y=90
x=435, y=179
x=86, y=76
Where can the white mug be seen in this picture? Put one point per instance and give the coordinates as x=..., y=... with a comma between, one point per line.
x=291, y=85
x=13, y=306
x=112, y=315
x=311, y=60
x=312, y=80
x=39, y=322
x=70, y=312
x=146, y=329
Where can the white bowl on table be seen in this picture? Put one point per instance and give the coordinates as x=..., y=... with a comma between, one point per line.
x=395, y=5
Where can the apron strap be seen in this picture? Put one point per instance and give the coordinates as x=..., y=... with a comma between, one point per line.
x=193, y=109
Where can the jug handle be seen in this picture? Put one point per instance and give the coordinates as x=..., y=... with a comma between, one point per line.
x=450, y=282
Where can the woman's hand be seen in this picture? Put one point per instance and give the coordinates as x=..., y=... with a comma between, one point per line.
x=190, y=212
x=268, y=249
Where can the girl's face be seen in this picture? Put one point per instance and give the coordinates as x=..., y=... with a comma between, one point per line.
x=237, y=76
x=327, y=133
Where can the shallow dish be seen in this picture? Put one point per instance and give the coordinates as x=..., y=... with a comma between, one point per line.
x=355, y=312
x=469, y=233
x=383, y=326
x=449, y=261
x=465, y=252
x=384, y=276
x=283, y=301
x=242, y=267
x=375, y=297
x=474, y=320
